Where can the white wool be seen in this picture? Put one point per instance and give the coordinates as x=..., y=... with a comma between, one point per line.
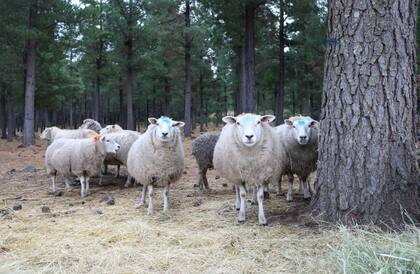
x=54, y=133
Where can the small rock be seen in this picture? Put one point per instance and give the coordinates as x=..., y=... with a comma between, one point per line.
x=70, y=211
x=224, y=184
x=197, y=202
x=195, y=185
x=189, y=195
x=4, y=211
x=20, y=146
x=108, y=199
x=70, y=205
x=11, y=171
x=99, y=212
x=29, y=169
x=185, y=172
x=17, y=207
x=45, y=209
x=217, y=177
x=83, y=202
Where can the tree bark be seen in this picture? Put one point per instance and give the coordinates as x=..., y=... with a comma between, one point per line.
x=279, y=91
x=188, y=73
x=10, y=116
x=167, y=97
x=130, y=71
x=3, y=111
x=249, y=59
x=367, y=171
x=201, y=91
x=28, y=126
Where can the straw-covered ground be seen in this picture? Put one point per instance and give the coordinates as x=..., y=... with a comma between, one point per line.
x=201, y=235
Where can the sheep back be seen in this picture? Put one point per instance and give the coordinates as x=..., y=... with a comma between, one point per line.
x=203, y=149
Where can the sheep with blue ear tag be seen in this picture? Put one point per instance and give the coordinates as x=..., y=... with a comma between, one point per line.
x=157, y=156
x=247, y=152
x=299, y=137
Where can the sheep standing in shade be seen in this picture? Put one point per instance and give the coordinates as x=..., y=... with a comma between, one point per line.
x=247, y=152
x=299, y=137
x=80, y=157
x=53, y=133
x=157, y=155
x=125, y=139
x=91, y=124
x=203, y=148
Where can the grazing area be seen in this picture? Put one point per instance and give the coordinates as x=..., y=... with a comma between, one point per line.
x=201, y=235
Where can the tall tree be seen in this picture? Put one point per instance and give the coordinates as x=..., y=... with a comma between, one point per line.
x=28, y=125
x=367, y=171
x=279, y=89
x=188, y=72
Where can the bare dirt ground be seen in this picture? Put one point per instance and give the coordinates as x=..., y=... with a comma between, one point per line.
x=201, y=235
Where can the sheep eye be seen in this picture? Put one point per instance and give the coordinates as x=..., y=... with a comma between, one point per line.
x=238, y=123
x=107, y=141
x=259, y=122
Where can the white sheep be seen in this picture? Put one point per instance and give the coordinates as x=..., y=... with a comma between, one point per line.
x=157, y=155
x=247, y=152
x=110, y=129
x=299, y=137
x=80, y=157
x=125, y=139
x=91, y=124
x=53, y=133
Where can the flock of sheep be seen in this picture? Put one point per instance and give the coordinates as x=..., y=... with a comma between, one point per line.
x=248, y=151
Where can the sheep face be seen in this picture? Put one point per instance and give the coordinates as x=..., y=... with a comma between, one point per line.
x=302, y=129
x=46, y=134
x=165, y=128
x=248, y=127
x=109, y=144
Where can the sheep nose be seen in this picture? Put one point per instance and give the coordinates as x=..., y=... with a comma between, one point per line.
x=302, y=138
x=164, y=134
x=249, y=136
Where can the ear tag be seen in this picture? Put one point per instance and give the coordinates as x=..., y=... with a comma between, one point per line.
x=96, y=138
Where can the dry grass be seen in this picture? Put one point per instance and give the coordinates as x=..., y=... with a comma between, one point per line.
x=124, y=239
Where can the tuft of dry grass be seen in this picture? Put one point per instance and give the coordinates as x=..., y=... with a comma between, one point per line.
x=124, y=239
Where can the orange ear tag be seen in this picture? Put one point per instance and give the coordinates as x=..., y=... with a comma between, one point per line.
x=96, y=138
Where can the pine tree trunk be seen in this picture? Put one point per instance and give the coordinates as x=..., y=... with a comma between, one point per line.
x=3, y=111
x=201, y=89
x=28, y=126
x=188, y=73
x=10, y=116
x=249, y=58
x=367, y=171
x=130, y=113
x=167, y=97
x=279, y=92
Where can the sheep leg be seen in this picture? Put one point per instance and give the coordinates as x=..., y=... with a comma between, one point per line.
x=150, y=209
x=53, y=185
x=238, y=198
x=301, y=187
x=118, y=172
x=105, y=169
x=242, y=193
x=266, y=191
x=143, y=195
x=87, y=190
x=306, y=193
x=128, y=181
x=201, y=175
x=279, y=186
x=254, y=195
x=309, y=187
x=68, y=187
x=82, y=186
x=206, y=183
x=100, y=179
x=166, y=199
x=289, y=197
x=261, y=215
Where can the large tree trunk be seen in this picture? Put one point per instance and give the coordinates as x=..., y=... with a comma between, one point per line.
x=130, y=72
x=28, y=125
x=130, y=113
x=3, y=111
x=367, y=170
x=249, y=59
x=201, y=91
x=279, y=92
x=188, y=73
x=10, y=117
x=167, y=97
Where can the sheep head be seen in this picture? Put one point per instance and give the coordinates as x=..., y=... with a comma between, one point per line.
x=110, y=129
x=301, y=127
x=248, y=127
x=46, y=134
x=165, y=128
x=108, y=143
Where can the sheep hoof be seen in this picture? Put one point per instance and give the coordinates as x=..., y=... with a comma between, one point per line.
x=289, y=199
x=266, y=195
x=263, y=224
x=241, y=222
x=237, y=208
x=252, y=202
x=278, y=194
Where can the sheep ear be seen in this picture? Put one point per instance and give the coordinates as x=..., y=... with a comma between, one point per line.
x=313, y=124
x=267, y=118
x=288, y=122
x=178, y=124
x=229, y=120
x=152, y=120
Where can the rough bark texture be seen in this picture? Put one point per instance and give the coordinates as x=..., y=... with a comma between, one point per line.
x=279, y=92
x=249, y=99
x=188, y=73
x=3, y=111
x=28, y=125
x=130, y=72
x=367, y=168
x=10, y=117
